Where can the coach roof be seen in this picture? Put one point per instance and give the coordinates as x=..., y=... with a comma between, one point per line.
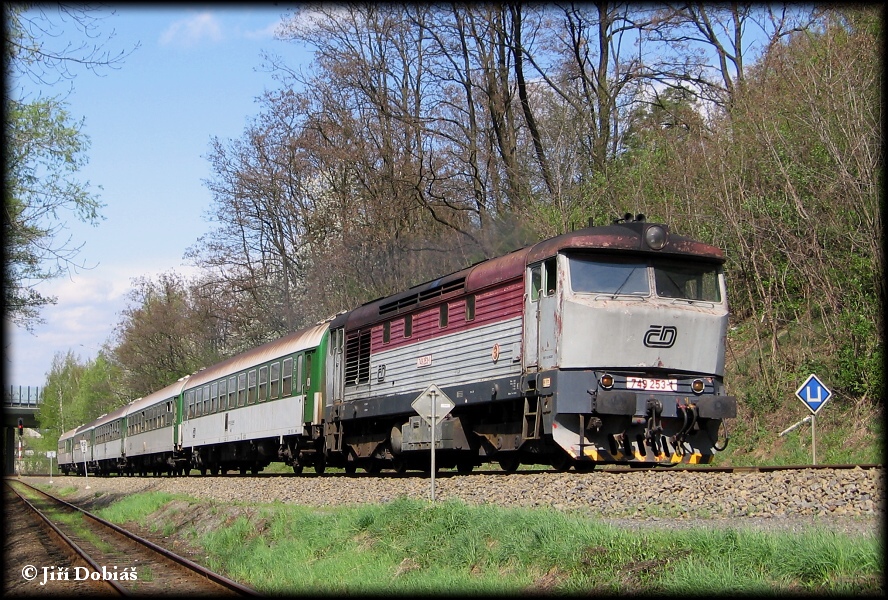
x=294, y=342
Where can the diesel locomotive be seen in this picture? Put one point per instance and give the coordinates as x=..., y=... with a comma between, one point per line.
x=604, y=345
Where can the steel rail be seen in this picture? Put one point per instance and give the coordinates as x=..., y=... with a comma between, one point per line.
x=181, y=560
x=67, y=540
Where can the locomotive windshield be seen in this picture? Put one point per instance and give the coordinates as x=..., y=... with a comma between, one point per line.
x=609, y=276
x=630, y=276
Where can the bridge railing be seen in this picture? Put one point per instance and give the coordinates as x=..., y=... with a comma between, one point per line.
x=23, y=396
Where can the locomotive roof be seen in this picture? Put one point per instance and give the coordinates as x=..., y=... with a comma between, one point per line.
x=620, y=237
x=294, y=342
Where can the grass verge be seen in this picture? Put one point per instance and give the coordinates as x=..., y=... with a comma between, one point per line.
x=410, y=547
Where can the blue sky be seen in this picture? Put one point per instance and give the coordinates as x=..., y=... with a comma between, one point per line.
x=197, y=74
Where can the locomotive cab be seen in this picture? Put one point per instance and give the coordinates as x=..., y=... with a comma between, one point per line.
x=619, y=389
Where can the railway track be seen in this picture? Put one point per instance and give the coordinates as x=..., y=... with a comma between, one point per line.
x=497, y=471
x=111, y=560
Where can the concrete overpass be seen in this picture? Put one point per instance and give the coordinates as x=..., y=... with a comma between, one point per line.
x=18, y=403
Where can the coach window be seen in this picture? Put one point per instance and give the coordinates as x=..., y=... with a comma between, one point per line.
x=251, y=387
x=232, y=392
x=287, y=378
x=408, y=326
x=223, y=393
x=142, y=421
x=443, y=315
x=386, y=332
x=241, y=389
x=214, y=394
x=275, y=380
x=263, y=384
x=206, y=400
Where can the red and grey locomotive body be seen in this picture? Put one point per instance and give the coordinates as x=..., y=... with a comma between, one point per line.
x=604, y=345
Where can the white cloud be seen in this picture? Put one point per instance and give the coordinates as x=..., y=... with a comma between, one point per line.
x=265, y=33
x=192, y=31
x=88, y=309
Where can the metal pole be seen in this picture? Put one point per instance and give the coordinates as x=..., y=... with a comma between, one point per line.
x=433, y=395
x=813, y=443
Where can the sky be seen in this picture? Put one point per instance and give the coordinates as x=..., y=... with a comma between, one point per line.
x=196, y=74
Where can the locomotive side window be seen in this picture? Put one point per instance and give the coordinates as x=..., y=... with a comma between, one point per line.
x=408, y=326
x=470, y=308
x=615, y=276
x=549, y=277
x=443, y=315
x=386, y=332
x=536, y=282
x=687, y=281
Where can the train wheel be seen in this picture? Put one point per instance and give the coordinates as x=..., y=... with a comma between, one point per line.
x=297, y=469
x=509, y=464
x=214, y=470
x=561, y=461
x=464, y=467
x=320, y=466
x=373, y=467
x=351, y=463
x=399, y=465
x=583, y=467
x=243, y=470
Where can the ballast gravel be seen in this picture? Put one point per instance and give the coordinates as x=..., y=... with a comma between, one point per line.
x=843, y=500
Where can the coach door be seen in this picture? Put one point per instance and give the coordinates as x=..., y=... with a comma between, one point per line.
x=541, y=304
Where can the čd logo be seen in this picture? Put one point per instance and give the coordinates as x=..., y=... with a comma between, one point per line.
x=660, y=336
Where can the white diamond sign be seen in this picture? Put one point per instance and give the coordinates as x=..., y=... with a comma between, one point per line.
x=433, y=405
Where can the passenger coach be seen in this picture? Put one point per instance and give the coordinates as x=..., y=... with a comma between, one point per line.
x=261, y=406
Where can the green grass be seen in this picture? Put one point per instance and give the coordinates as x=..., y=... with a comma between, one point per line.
x=411, y=547
x=136, y=508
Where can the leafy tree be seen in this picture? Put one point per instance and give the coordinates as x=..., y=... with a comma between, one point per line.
x=45, y=150
x=169, y=330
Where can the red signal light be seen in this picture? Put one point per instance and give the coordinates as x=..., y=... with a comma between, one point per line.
x=21, y=427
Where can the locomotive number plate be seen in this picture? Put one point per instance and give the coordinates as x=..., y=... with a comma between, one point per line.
x=656, y=385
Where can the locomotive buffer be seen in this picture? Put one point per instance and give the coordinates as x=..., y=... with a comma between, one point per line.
x=433, y=405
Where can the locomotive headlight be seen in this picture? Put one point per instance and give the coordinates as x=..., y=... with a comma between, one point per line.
x=606, y=381
x=698, y=386
x=655, y=236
